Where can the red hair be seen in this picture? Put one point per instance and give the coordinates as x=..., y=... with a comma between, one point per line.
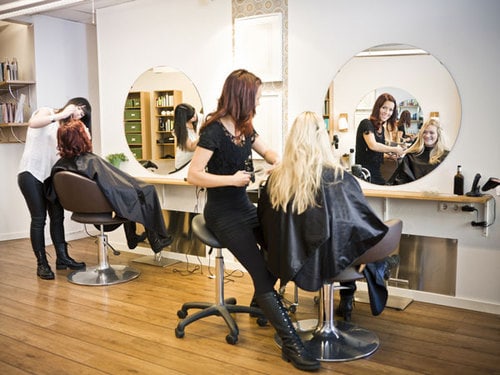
x=238, y=100
x=73, y=139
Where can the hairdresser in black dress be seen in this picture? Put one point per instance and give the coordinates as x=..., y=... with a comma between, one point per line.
x=226, y=141
x=370, y=137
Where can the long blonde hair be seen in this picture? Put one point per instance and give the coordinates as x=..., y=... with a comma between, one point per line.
x=297, y=178
x=439, y=148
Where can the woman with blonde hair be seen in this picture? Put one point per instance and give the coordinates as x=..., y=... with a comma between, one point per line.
x=315, y=219
x=426, y=153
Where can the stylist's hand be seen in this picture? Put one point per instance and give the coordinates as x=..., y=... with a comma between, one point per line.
x=241, y=178
x=73, y=111
x=399, y=151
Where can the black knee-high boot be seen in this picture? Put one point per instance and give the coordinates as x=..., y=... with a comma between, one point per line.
x=292, y=349
x=64, y=260
x=43, y=270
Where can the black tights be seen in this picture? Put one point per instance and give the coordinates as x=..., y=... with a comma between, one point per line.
x=38, y=205
x=243, y=245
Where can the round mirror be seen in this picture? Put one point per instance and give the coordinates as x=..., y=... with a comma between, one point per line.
x=149, y=116
x=418, y=82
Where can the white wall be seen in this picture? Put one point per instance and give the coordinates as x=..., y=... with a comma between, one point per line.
x=192, y=36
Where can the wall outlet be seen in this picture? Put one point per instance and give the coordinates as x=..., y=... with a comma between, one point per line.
x=449, y=207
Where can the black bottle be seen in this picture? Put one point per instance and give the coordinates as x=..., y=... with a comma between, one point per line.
x=458, y=182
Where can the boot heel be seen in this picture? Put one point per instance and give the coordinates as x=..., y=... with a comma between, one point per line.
x=60, y=266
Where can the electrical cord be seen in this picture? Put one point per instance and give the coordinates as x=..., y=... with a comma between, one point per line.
x=477, y=223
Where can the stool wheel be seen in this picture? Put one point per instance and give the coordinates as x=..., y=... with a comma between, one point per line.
x=182, y=314
x=230, y=301
x=262, y=322
x=232, y=339
x=179, y=333
x=292, y=309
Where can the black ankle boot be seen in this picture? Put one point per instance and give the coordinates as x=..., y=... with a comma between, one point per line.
x=253, y=303
x=292, y=348
x=64, y=260
x=43, y=270
x=345, y=307
x=156, y=242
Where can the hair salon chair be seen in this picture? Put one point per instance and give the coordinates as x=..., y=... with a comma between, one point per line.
x=336, y=341
x=222, y=307
x=83, y=197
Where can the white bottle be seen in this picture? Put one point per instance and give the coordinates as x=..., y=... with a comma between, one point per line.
x=351, y=157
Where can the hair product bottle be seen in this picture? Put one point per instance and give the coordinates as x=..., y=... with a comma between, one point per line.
x=458, y=182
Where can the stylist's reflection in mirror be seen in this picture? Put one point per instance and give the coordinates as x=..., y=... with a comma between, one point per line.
x=185, y=123
x=370, y=137
x=423, y=156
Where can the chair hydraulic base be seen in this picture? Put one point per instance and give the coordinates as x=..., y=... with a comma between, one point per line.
x=93, y=276
x=334, y=341
x=155, y=260
x=103, y=273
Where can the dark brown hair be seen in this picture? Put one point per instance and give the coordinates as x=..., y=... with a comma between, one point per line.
x=73, y=139
x=405, y=118
x=87, y=111
x=375, y=116
x=237, y=100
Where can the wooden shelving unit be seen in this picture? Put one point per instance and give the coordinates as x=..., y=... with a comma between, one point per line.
x=13, y=132
x=136, y=118
x=162, y=123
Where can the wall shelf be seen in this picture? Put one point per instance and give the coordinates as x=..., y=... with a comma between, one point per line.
x=13, y=132
x=483, y=200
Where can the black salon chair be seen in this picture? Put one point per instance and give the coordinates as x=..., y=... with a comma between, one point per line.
x=336, y=341
x=222, y=307
x=83, y=197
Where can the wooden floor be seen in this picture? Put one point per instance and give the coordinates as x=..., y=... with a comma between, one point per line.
x=55, y=327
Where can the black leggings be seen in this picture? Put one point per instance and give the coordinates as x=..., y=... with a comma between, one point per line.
x=38, y=205
x=233, y=220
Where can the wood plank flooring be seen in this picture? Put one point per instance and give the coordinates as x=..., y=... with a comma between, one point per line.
x=55, y=327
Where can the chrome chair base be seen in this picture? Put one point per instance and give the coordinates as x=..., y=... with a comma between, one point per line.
x=94, y=276
x=333, y=341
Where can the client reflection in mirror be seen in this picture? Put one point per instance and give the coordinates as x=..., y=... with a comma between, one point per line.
x=423, y=156
x=370, y=137
x=185, y=123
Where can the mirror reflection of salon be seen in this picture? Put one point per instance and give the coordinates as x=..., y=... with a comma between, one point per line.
x=420, y=83
x=408, y=119
x=149, y=115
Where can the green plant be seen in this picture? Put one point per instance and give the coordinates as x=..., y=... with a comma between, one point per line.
x=117, y=158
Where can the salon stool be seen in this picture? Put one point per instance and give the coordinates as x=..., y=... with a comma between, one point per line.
x=336, y=341
x=222, y=307
x=89, y=205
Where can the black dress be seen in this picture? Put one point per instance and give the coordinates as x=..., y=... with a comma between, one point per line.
x=229, y=213
x=371, y=160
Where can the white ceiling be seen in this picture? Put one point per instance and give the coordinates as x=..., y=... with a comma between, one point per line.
x=79, y=12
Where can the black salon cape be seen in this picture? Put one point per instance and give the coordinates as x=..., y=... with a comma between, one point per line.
x=323, y=241
x=130, y=198
x=414, y=166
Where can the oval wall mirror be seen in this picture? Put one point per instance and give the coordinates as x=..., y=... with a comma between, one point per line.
x=149, y=116
x=419, y=82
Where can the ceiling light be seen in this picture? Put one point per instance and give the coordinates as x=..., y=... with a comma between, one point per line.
x=34, y=9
